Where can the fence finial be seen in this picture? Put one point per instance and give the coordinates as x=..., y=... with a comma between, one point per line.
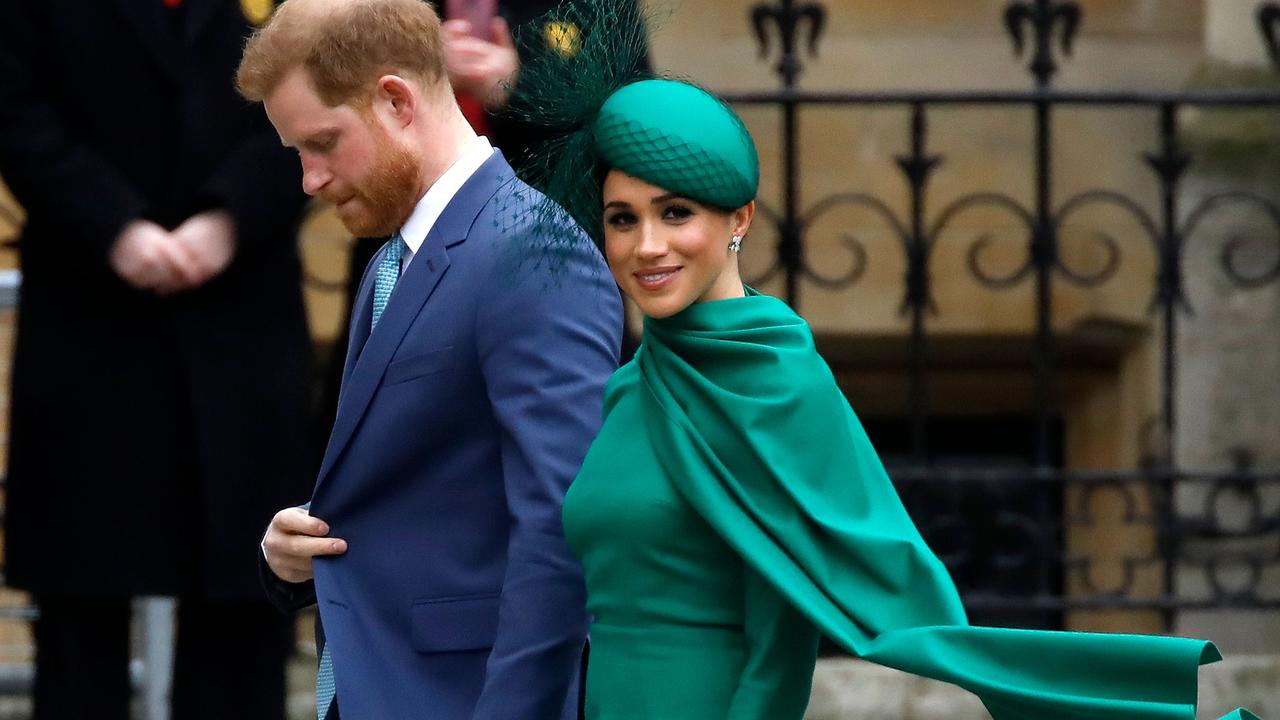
x=1044, y=16
x=788, y=16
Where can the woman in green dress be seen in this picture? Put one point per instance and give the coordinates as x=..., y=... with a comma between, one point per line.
x=732, y=509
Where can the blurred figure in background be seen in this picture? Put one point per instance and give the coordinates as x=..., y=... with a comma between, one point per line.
x=486, y=41
x=160, y=373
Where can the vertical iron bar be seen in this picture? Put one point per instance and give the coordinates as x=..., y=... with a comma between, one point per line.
x=1169, y=167
x=790, y=252
x=1044, y=257
x=1171, y=270
x=1165, y=533
x=917, y=167
x=1045, y=17
x=920, y=301
x=790, y=17
x=789, y=245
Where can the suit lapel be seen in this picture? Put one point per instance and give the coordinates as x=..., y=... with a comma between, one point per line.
x=147, y=20
x=412, y=291
x=361, y=315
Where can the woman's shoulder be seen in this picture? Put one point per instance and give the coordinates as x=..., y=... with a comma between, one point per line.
x=623, y=381
x=623, y=386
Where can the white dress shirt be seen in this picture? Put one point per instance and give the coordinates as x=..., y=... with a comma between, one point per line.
x=440, y=194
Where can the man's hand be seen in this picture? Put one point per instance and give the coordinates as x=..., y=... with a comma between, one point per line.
x=480, y=68
x=209, y=239
x=146, y=256
x=293, y=539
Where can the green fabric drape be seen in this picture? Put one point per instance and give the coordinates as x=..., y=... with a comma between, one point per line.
x=750, y=425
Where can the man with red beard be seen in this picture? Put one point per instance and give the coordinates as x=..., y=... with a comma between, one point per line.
x=473, y=384
x=482, y=57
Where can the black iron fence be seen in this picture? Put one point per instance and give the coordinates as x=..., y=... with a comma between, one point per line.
x=1005, y=531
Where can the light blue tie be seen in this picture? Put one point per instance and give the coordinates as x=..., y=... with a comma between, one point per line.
x=325, y=688
x=388, y=274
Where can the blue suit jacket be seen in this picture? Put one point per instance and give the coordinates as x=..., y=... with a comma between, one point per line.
x=462, y=420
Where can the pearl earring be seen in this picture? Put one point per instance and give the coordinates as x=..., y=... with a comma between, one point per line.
x=735, y=244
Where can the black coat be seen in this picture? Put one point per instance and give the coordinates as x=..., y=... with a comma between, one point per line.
x=151, y=439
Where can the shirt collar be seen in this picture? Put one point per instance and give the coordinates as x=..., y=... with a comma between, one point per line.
x=441, y=192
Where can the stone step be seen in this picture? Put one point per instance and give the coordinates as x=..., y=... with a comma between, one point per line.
x=848, y=689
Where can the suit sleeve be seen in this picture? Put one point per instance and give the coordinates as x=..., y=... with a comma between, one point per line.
x=285, y=596
x=782, y=649
x=549, y=342
x=52, y=173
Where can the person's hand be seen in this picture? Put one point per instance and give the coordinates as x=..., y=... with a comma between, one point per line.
x=480, y=68
x=209, y=239
x=147, y=257
x=293, y=539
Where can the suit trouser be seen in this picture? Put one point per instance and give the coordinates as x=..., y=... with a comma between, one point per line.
x=229, y=663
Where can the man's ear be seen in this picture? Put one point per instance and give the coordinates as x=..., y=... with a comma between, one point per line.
x=398, y=99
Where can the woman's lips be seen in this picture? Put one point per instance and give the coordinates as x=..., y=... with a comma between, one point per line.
x=656, y=278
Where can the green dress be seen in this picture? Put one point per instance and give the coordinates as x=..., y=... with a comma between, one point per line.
x=732, y=508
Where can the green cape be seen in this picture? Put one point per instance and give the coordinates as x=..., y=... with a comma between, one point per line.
x=751, y=427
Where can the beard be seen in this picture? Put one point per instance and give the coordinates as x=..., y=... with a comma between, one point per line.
x=386, y=198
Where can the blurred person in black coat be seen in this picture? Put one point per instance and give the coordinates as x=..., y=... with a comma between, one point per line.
x=159, y=382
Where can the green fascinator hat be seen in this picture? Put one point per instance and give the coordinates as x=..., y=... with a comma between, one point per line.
x=680, y=138
x=597, y=107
